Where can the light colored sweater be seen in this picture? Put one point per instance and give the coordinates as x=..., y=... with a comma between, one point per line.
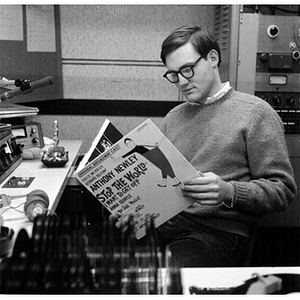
x=239, y=137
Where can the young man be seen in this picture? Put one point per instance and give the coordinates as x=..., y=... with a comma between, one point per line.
x=235, y=140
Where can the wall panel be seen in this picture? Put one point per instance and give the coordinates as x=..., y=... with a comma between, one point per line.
x=113, y=51
x=117, y=81
x=16, y=61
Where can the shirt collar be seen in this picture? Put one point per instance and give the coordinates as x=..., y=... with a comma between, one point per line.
x=225, y=88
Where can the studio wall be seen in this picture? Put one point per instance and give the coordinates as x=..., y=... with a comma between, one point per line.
x=112, y=52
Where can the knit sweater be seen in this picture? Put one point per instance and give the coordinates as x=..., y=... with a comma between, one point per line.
x=240, y=138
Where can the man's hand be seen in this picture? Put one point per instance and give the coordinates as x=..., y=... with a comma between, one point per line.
x=121, y=221
x=208, y=189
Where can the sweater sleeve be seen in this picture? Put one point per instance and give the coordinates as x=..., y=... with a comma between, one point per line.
x=272, y=186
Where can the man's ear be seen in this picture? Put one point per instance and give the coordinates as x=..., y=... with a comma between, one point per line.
x=213, y=56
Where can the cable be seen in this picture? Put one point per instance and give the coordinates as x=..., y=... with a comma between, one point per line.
x=13, y=207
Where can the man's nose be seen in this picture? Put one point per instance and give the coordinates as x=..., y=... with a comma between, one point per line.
x=182, y=80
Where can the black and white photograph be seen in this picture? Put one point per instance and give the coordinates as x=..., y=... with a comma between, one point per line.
x=206, y=203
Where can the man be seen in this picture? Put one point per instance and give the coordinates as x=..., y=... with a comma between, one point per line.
x=235, y=140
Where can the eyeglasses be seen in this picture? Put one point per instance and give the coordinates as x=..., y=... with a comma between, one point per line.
x=187, y=72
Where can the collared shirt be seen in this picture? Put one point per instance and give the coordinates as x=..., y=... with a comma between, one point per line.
x=220, y=93
x=225, y=88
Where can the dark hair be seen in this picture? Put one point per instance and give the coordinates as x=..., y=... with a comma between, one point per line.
x=202, y=40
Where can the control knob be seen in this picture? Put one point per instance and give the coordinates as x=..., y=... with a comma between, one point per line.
x=264, y=97
x=263, y=57
x=290, y=100
x=276, y=100
x=35, y=140
x=273, y=31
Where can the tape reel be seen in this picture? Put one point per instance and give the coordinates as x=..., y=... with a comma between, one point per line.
x=37, y=203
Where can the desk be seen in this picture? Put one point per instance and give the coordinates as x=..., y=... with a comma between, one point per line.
x=51, y=180
x=226, y=277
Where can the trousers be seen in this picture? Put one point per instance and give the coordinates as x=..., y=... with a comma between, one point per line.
x=197, y=245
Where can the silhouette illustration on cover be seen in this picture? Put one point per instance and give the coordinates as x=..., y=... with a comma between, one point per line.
x=156, y=157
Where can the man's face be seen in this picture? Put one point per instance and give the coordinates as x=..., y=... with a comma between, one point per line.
x=201, y=85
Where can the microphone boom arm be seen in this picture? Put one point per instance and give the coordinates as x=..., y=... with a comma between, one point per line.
x=31, y=87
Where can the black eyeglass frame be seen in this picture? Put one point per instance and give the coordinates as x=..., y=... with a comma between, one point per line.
x=180, y=71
